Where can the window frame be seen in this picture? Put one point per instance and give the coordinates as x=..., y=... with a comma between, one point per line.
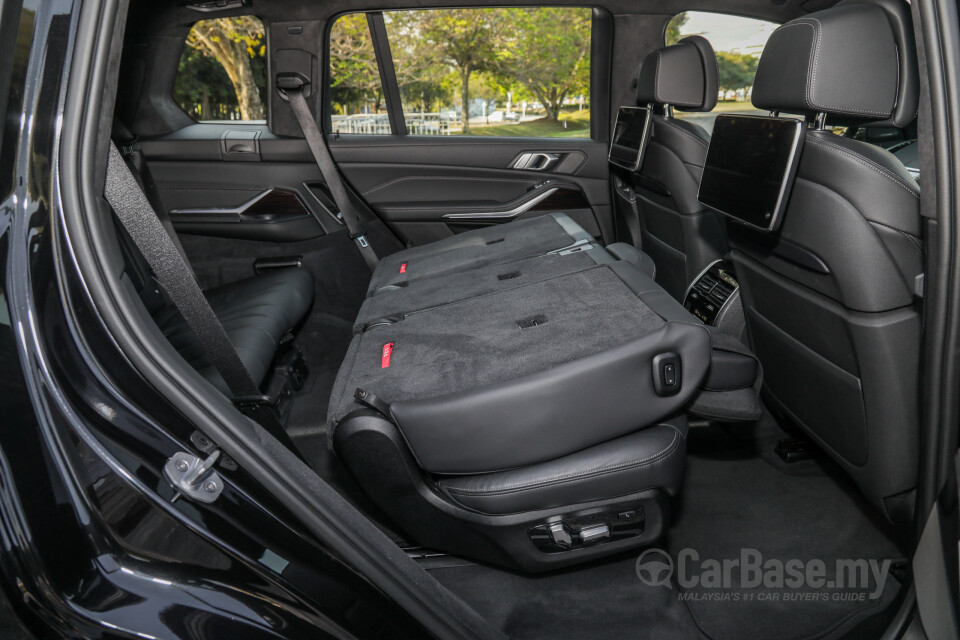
x=601, y=31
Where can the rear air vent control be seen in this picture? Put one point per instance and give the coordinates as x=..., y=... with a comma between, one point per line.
x=711, y=291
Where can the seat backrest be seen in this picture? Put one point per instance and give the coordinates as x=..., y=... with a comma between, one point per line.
x=829, y=297
x=676, y=231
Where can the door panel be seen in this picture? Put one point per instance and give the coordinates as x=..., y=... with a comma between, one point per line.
x=424, y=188
x=421, y=185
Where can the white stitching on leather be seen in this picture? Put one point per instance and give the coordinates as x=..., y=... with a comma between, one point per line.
x=914, y=241
x=813, y=84
x=870, y=164
x=595, y=473
x=811, y=77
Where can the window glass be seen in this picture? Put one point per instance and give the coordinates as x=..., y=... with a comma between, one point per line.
x=223, y=70
x=497, y=72
x=356, y=94
x=493, y=71
x=738, y=43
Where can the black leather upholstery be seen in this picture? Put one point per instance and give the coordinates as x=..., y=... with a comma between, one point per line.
x=683, y=75
x=646, y=459
x=257, y=313
x=679, y=234
x=856, y=59
x=829, y=298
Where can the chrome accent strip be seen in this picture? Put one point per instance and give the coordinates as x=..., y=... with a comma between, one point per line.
x=238, y=210
x=498, y=215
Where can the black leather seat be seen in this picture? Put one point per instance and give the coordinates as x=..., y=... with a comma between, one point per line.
x=257, y=312
x=483, y=404
x=680, y=234
x=829, y=298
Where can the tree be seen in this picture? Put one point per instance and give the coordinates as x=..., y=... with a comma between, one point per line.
x=234, y=43
x=424, y=75
x=548, y=53
x=736, y=70
x=467, y=39
x=673, y=35
x=354, y=75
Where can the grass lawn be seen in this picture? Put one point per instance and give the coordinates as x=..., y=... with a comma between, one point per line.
x=733, y=105
x=578, y=126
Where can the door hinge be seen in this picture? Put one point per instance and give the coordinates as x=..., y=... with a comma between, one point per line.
x=193, y=476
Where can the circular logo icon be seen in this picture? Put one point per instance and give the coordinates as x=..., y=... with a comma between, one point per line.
x=655, y=568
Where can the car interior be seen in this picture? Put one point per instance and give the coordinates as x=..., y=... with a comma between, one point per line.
x=528, y=359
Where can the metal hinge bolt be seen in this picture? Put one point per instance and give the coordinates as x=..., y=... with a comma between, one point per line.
x=193, y=476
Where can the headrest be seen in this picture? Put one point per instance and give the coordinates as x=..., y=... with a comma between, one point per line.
x=856, y=59
x=683, y=75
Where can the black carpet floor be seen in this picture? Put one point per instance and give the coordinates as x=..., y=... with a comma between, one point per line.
x=736, y=496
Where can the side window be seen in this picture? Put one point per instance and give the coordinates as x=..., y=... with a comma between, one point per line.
x=738, y=43
x=520, y=72
x=356, y=94
x=223, y=71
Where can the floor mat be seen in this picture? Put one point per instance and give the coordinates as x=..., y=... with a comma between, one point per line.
x=735, y=496
x=734, y=500
x=604, y=600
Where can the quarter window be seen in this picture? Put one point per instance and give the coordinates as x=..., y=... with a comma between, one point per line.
x=223, y=70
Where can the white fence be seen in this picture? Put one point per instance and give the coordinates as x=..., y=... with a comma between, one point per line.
x=418, y=124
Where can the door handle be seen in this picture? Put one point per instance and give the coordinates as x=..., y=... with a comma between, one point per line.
x=535, y=161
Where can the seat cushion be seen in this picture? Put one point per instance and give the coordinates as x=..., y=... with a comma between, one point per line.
x=651, y=458
x=256, y=313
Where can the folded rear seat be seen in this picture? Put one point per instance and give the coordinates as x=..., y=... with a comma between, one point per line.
x=485, y=246
x=529, y=410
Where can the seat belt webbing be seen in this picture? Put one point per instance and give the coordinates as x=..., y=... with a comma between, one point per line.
x=132, y=207
x=328, y=169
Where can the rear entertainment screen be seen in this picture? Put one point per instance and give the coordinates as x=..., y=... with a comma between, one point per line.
x=630, y=136
x=750, y=168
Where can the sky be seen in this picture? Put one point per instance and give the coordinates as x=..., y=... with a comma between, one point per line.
x=729, y=33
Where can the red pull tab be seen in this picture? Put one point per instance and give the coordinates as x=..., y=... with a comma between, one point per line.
x=385, y=356
x=403, y=268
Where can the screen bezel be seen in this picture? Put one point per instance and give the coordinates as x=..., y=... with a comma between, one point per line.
x=786, y=184
x=644, y=138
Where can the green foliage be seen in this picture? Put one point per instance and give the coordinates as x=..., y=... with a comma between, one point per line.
x=673, y=35
x=354, y=74
x=548, y=52
x=222, y=71
x=539, y=54
x=737, y=70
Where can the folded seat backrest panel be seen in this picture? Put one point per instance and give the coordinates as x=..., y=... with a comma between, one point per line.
x=486, y=246
x=462, y=285
x=569, y=355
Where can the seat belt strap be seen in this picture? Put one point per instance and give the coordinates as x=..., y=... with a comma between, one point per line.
x=130, y=203
x=292, y=86
x=173, y=273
